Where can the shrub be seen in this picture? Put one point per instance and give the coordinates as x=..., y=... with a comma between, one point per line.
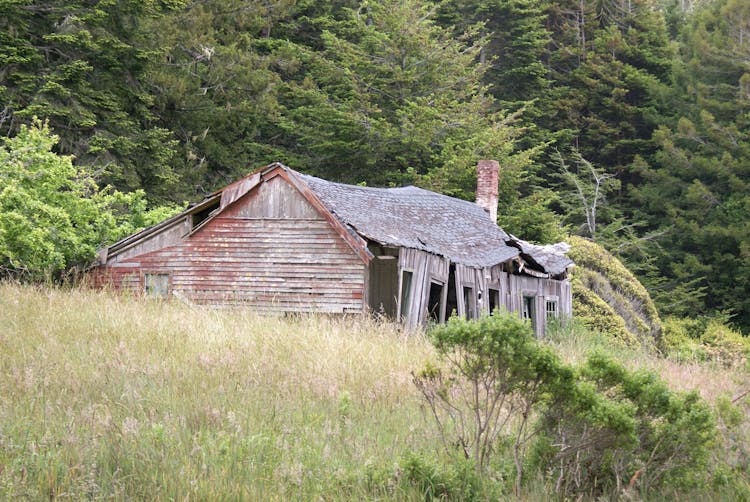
x=438, y=481
x=598, y=430
x=624, y=431
x=704, y=339
x=493, y=374
x=609, y=298
x=679, y=341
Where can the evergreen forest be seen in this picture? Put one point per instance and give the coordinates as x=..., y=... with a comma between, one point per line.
x=626, y=122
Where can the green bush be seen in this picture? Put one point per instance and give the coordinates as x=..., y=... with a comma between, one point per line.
x=455, y=480
x=493, y=375
x=609, y=298
x=599, y=430
x=621, y=431
x=704, y=339
x=679, y=341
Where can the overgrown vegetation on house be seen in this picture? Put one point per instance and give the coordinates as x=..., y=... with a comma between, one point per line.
x=608, y=297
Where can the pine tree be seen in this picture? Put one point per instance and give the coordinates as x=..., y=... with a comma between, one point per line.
x=81, y=66
x=699, y=188
x=392, y=96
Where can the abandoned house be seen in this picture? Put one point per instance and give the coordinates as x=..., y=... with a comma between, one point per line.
x=281, y=241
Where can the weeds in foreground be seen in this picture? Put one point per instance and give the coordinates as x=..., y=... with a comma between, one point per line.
x=105, y=396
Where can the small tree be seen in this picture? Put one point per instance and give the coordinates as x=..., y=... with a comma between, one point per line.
x=493, y=375
x=53, y=216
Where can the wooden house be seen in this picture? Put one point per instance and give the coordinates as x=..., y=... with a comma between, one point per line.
x=281, y=241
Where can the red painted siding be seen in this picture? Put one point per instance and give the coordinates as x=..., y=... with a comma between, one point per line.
x=268, y=251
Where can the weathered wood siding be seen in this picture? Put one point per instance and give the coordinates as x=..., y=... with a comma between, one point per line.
x=425, y=268
x=541, y=290
x=270, y=251
x=169, y=236
x=469, y=277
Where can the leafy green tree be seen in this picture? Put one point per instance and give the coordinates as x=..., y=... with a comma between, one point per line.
x=53, y=217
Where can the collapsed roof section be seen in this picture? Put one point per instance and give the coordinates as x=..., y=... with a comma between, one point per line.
x=550, y=260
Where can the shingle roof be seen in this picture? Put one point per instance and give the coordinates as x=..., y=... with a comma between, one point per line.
x=407, y=217
x=415, y=218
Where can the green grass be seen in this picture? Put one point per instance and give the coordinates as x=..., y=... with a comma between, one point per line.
x=104, y=396
x=114, y=397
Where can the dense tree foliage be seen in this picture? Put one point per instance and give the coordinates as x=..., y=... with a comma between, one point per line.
x=644, y=100
x=53, y=216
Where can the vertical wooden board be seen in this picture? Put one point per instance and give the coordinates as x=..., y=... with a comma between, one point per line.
x=459, y=285
x=502, y=280
x=418, y=287
x=419, y=263
x=483, y=277
x=566, y=300
x=444, y=302
x=274, y=199
x=540, y=320
x=515, y=294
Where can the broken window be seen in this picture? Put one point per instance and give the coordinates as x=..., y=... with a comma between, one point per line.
x=469, y=302
x=494, y=302
x=435, y=302
x=551, y=309
x=406, y=276
x=156, y=285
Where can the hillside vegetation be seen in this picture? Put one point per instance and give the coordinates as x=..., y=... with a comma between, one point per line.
x=105, y=396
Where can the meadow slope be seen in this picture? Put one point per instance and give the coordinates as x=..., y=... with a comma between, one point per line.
x=106, y=396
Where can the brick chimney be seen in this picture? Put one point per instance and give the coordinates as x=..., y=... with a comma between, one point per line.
x=488, y=172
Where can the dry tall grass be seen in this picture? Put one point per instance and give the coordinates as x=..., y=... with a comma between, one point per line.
x=107, y=396
x=110, y=396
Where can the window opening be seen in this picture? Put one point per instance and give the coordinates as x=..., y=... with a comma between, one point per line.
x=406, y=276
x=156, y=285
x=528, y=308
x=494, y=300
x=551, y=309
x=434, y=304
x=469, y=302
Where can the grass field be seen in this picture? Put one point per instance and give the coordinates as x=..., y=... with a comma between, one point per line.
x=113, y=397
